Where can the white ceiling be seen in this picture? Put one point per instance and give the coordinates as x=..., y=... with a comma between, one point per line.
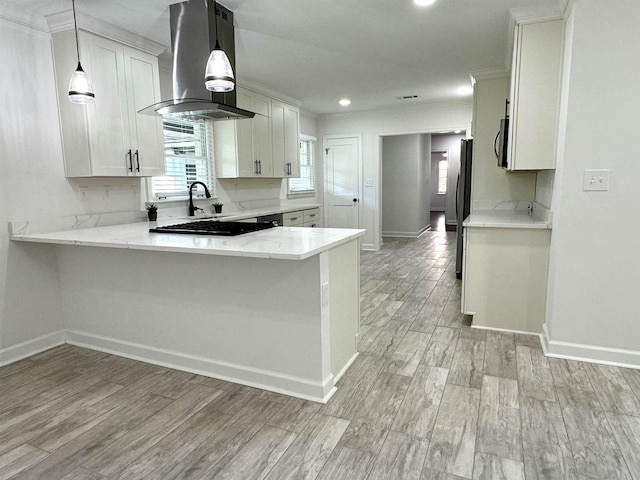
x=318, y=51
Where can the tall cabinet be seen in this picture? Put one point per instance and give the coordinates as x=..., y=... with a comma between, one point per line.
x=109, y=138
x=265, y=146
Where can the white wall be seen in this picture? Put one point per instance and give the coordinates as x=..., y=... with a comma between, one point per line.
x=33, y=185
x=491, y=185
x=405, y=181
x=372, y=126
x=593, y=296
x=451, y=144
x=544, y=187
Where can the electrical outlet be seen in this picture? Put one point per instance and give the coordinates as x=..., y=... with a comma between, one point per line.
x=596, y=180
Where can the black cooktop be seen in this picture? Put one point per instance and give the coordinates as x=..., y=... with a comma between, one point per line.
x=211, y=227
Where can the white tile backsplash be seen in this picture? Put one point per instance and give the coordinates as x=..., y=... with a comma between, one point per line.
x=544, y=187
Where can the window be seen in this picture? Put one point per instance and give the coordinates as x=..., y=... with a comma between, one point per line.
x=306, y=184
x=187, y=159
x=443, y=168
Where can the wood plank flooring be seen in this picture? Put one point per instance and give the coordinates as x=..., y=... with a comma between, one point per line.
x=428, y=398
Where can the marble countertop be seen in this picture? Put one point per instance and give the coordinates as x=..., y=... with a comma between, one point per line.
x=506, y=219
x=288, y=243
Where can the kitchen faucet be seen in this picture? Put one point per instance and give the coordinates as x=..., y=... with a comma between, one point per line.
x=192, y=208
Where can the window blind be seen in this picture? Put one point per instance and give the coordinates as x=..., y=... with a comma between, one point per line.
x=307, y=181
x=187, y=159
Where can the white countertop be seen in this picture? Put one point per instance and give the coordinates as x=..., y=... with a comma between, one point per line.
x=289, y=243
x=505, y=219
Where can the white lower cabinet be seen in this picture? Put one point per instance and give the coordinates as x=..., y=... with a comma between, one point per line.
x=109, y=138
x=312, y=218
x=504, y=282
x=302, y=218
x=293, y=219
x=264, y=146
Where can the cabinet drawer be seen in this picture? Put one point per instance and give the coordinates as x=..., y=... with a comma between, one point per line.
x=292, y=219
x=312, y=215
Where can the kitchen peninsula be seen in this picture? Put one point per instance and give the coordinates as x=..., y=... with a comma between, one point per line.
x=276, y=309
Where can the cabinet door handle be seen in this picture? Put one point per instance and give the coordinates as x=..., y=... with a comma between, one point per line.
x=259, y=167
x=130, y=160
x=137, y=161
x=255, y=167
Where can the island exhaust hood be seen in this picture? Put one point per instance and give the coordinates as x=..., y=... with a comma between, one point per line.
x=193, y=36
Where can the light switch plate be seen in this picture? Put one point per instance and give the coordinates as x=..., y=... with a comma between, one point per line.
x=596, y=180
x=368, y=182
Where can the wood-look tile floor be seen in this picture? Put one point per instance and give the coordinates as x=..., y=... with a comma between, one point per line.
x=428, y=398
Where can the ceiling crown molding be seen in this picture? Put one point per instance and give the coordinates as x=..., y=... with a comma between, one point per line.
x=24, y=21
x=62, y=21
x=488, y=74
x=536, y=13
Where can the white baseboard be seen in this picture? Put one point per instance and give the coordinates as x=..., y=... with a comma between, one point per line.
x=31, y=347
x=264, y=379
x=370, y=247
x=504, y=330
x=589, y=353
x=406, y=234
x=345, y=368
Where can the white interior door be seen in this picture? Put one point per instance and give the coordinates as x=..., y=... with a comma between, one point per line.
x=342, y=182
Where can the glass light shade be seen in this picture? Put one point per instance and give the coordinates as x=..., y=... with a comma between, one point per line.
x=218, y=77
x=80, y=87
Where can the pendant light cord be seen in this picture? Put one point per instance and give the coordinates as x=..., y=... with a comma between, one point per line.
x=75, y=26
x=215, y=21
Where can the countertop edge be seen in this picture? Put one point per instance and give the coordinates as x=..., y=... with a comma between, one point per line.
x=51, y=238
x=513, y=219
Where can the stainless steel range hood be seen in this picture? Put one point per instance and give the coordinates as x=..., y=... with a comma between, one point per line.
x=193, y=36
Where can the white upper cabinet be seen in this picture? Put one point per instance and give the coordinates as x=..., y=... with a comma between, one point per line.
x=285, y=127
x=109, y=138
x=264, y=146
x=535, y=94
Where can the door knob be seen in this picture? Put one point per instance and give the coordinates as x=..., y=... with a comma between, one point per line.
x=355, y=200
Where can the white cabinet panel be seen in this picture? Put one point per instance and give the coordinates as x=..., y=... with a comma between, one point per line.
x=505, y=277
x=265, y=146
x=535, y=94
x=109, y=138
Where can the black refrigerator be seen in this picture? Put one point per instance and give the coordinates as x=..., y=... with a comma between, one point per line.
x=463, y=197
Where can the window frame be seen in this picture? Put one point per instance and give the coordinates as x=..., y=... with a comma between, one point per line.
x=312, y=179
x=441, y=177
x=209, y=179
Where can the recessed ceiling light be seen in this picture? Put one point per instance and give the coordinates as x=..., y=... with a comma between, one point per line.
x=464, y=91
x=424, y=3
x=345, y=102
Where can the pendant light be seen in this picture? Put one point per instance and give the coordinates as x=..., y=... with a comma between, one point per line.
x=218, y=76
x=80, y=88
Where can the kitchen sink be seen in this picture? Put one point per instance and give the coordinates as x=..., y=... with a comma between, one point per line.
x=212, y=227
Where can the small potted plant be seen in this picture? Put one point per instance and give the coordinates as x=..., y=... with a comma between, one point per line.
x=152, y=212
x=217, y=207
